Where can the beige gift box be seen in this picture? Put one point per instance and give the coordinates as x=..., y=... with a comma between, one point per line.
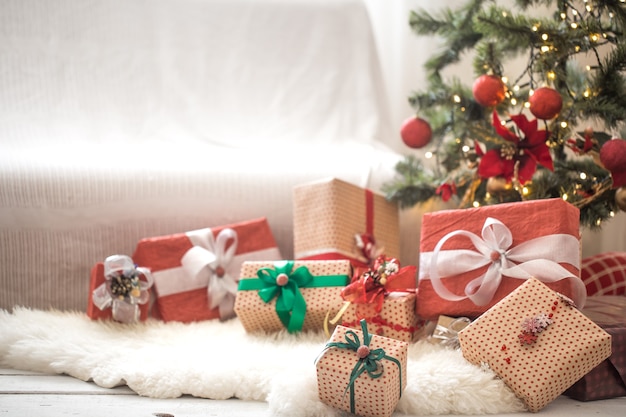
x=367, y=396
x=396, y=320
x=328, y=214
x=321, y=296
x=537, y=342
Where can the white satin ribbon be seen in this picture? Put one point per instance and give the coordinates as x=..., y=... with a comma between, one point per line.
x=538, y=258
x=123, y=310
x=203, y=261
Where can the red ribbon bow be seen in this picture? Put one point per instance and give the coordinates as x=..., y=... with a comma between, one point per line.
x=371, y=285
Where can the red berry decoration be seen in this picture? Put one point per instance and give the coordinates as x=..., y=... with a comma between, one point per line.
x=613, y=157
x=545, y=103
x=488, y=90
x=416, y=132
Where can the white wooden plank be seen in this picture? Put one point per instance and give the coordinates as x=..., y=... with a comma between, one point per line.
x=27, y=393
x=54, y=384
x=124, y=405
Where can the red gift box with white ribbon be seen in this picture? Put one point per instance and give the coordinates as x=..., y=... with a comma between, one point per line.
x=196, y=273
x=471, y=258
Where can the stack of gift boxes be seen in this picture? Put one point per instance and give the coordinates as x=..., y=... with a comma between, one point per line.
x=502, y=283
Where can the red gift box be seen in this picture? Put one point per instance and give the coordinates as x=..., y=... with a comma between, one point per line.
x=102, y=305
x=196, y=273
x=471, y=258
x=607, y=380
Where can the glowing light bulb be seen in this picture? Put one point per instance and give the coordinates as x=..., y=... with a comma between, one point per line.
x=583, y=176
x=428, y=155
x=456, y=98
x=476, y=204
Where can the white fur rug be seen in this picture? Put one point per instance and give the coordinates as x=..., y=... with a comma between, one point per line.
x=220, y=360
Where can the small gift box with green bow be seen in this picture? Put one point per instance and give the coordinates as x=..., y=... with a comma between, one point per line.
x=362, y=373
x=290, y=295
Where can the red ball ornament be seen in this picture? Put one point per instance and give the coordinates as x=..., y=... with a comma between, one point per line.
x=488, y=90
x=545, y=103
x=416, y=132
x=613, y=157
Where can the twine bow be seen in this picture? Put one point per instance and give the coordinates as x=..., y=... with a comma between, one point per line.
x=369, y=360
x=538, y=258
x=122, y=290
x=208, y=260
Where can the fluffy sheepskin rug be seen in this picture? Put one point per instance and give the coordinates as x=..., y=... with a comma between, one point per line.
x=219, y=360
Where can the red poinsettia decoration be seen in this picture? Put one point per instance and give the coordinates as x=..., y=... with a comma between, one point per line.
x=527, y=151
x=446, y=190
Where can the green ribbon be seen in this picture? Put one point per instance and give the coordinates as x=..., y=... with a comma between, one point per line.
x=290, y=303
x=370, y=363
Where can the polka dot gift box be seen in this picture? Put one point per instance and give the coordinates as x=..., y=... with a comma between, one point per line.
x=537, y=341
x=290, y=295
x=383, y=295
x=471, y=258
x=362, y=373
x=334, y=219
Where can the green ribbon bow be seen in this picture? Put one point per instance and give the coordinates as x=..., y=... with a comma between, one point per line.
x=284, y=283
x=369, y=363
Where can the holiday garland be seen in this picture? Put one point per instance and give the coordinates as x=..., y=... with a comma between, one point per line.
x=521, y=136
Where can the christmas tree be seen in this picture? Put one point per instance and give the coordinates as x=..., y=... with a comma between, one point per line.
x=547, y=128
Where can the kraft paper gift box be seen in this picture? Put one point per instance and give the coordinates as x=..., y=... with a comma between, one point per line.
x=196, y=273
x=537, y=342
x=471, y=258
x=608, y=379
x=362, y=373
x=334, y=219
x=119, y=290
x=383, y=295
x=290, y=295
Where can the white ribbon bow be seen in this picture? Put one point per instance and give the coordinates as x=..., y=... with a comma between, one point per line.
x=123, y=310
x=538, y=258
x=208, y=261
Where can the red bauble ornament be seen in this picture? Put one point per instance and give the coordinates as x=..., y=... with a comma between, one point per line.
x=613, y=157
x=488, y=90
x=545, y=103
x=416, y=132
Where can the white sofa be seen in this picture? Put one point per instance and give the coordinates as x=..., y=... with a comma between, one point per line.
x=123, y=119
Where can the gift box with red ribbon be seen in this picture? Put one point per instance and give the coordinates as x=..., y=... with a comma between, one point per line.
x=608, y=379
x=334, y=219
x=537, y=342
x=384, y=296
x=119, y=290
x=471, y=258
x=290, y=295
x=362, y=373
x=196, y=273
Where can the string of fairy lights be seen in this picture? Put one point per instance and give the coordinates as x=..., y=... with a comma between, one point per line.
x=590, y=29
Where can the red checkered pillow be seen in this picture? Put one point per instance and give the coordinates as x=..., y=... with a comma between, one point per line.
x=605, y=273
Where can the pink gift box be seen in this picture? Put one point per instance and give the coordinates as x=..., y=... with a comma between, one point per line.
x=471, y=258
x=537, y=342
x=196, y=273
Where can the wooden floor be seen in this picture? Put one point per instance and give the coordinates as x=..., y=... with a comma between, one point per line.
x=25, y=394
